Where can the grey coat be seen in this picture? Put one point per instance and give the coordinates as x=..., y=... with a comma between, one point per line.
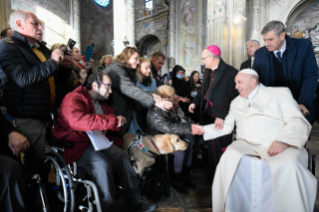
x=125, y=92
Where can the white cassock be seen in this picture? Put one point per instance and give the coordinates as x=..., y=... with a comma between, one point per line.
x=272, y=115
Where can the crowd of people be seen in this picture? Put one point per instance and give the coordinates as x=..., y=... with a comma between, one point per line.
x=126, y=94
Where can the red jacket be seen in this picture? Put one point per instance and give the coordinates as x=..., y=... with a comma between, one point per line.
x=77, y=115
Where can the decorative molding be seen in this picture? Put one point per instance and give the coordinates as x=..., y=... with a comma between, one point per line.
x=172, y=29
x=273, y=2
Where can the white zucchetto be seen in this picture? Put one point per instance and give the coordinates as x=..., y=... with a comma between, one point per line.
x=249, y=71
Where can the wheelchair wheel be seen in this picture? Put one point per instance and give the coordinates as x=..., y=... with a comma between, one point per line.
x=56, y=177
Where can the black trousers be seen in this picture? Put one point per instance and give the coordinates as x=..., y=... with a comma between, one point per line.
x=106, y=167
x=214, y=148
x=13, y=179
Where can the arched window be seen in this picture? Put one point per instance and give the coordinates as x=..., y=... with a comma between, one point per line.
x=103, y=3
x=149, y=4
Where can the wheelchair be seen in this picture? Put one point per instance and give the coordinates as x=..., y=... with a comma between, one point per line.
x=61, y=187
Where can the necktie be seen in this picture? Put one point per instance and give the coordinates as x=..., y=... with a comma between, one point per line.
x=279, y=56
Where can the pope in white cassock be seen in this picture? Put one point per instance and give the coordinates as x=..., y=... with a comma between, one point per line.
x=265, y=169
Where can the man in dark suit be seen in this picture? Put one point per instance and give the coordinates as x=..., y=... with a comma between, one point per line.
x=218, y=90
x=252, y=46
x=288, y=62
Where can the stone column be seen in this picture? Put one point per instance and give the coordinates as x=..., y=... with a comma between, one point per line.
x=77, y=22
x=209, y=22
x=255, y=22
x=5, y=10
x=171, y=38
x=220, y=33
x=130, y=22
x=263, y=20
x=120, y=29
x=239, y=33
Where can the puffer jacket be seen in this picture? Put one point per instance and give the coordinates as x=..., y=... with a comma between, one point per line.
x=125, y=92
x=160, y=121
x=24, y=78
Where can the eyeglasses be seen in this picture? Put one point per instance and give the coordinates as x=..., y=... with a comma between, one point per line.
x=108, y=86
x=206, y=57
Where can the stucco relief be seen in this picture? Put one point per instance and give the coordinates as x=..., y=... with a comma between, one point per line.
x=304, y=24
x=190, y=34
x=273, y=2
x=171, y=29
x=220, y=8
x=155, y=24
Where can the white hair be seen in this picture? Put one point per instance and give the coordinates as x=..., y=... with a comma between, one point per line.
x=17, y=15
x=252, y=40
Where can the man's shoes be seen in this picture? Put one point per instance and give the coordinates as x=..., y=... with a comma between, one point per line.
x=180, y=188
x=143, y=205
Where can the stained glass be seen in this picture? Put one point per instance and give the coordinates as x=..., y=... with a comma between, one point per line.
x=103, y=3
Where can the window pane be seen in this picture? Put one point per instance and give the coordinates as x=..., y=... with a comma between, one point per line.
x=149, y=4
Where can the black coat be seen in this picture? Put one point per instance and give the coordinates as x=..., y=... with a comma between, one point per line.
x=160, y=122
x=125, y=92
x=154, y=72
x=300, y=71
x=246, y=64
x=24, y=78
x=220, y=93
x=182, y=88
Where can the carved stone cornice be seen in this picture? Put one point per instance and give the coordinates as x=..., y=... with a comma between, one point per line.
x=155, y=16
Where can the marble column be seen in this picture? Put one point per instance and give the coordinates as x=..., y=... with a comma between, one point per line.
x=200, y=24
x=209, y=22
x=5, y=10
x=263, y=20
x=120, y=29
x=255, y=22
x=220, y=33
x=171, y=38
x=239, y=33
x=130, y=22
x=77, y=22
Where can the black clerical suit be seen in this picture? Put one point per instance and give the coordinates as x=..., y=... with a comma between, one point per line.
x=246, y=64
x=213, y=101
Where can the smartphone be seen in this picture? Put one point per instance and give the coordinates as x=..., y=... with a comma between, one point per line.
x=93, y=45
x=69, y=46
x=88, y=53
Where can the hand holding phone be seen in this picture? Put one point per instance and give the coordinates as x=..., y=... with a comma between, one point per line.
x=88, y=53
x=69, y=46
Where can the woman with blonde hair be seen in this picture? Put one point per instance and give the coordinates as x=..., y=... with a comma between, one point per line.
x=105, y=61
x=144, y=76
x=124, y=90
x=146, y=82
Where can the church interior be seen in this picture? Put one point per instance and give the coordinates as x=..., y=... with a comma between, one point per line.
x=180, y=29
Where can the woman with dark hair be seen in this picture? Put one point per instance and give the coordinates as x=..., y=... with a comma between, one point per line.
x=195, y=85
x=194, y=79
x=182, y=88
x=125, y=91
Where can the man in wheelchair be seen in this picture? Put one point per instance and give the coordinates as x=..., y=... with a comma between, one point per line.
x=84, y=110
x=265, y=169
